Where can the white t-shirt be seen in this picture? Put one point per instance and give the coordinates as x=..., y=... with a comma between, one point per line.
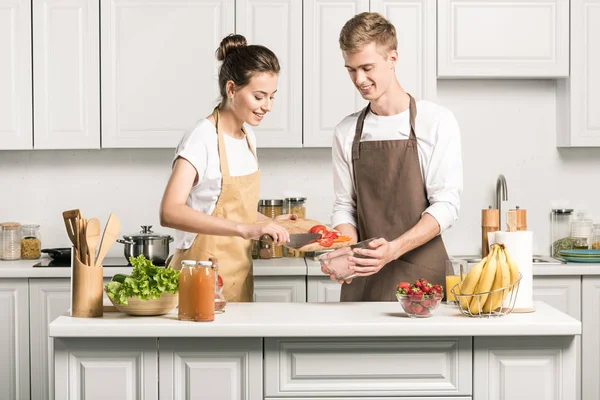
x=200, y=148
x=439, y=149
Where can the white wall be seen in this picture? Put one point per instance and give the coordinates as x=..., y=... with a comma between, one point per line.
x=507, y=127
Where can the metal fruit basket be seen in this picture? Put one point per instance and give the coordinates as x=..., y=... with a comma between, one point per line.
x=509, y=295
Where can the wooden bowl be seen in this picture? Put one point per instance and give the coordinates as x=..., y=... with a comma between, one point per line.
x=163, y=305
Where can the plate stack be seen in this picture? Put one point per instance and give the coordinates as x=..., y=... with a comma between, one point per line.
x=581, y=255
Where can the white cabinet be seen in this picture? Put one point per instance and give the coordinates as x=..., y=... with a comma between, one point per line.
x=329, y=93
x=100, y=369
x=48, y=299
x=524, y=368
x=286, y=289
x=14, y=339
x=334, y=367
x=208, y=368
x=578, y=98
x=561, y=292
x=66, y=74
x=158, y=67
x=277, y=24
x=15, y=75
x=503, y=38
x=322, y=290
x=415, y=23
x=590, y=309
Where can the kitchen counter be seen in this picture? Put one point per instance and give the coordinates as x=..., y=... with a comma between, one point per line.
x=321, y=319
x=322, y=351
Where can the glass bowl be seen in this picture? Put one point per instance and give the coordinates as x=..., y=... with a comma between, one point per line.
x=419, y=306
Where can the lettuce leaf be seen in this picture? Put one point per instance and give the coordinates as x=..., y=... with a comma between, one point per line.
x=147, y=281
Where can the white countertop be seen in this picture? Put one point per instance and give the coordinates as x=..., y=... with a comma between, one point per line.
x=369, y=319
x=566, y=269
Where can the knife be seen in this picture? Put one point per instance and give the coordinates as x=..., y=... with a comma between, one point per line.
x=298, y=240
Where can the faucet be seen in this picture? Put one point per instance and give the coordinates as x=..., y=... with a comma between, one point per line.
x=501, y=195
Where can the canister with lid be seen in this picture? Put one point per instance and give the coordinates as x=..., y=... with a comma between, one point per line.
x=187, y=291
x=31, y=243
x=10, y=248
x=561, y=230
x=295, y=205
x=581, y=231
x=270, y=208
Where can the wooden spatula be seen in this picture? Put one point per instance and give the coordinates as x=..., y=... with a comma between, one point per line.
x=82, y=242
x=71, y=223
x=111, y=232
x=92, y=237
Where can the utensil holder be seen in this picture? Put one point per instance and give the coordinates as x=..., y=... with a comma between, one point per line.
x=86, y=288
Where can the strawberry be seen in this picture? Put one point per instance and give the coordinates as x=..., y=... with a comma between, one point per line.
x=426, y=302
x=418, y=284
x=406, y=302
x=409, y=309
x=424, y=281
x=220, y=282
x=417, y=308
x=424, y=311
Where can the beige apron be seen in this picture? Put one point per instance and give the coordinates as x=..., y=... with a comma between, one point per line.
x=390, y=198
x=238, y=202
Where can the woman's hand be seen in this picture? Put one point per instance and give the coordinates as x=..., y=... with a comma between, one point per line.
x=265, y=227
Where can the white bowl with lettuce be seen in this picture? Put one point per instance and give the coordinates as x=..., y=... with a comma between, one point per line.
x=149, y=290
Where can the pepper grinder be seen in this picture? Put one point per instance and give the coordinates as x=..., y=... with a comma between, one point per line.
x=489, y=223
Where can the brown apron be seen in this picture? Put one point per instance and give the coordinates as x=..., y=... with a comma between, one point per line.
x=390, y=198
x=238, y=202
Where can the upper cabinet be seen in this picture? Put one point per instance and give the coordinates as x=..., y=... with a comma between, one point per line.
x=329, y=94
x=503, y=38
x=15, y=75
x=158, y=67
x=277, y=24
x=415, y=23
x=578, y=98
x=66, y=74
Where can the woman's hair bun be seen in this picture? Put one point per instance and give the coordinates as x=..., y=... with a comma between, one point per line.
x=230, y=44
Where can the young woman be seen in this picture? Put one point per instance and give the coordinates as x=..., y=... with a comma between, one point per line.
x=212, y=195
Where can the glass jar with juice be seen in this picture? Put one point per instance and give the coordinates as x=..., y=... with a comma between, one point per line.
x=204, y=283
x=187, y=292
x=456, y=271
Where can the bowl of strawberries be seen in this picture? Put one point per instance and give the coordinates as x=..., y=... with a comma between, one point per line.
x=421, y=299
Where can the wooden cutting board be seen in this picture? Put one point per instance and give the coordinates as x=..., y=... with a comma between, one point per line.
x=302, y=226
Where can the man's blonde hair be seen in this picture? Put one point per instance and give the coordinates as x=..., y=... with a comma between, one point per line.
x=365, y=28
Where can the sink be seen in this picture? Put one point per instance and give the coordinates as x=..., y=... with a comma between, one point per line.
x=537, y=259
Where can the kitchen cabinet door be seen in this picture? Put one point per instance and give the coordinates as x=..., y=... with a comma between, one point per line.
x=561, y=292
x=500, y=365
x=208, y=368
x=323, y=290
x=277, y=24
x=503, y=38
x=277, y=289
x=48, y=298
x=158, y=67
x=578, y=97
x=66, y=74
x=14, y=339
x=101, y=369
x=329, y=94
x=16, y=130
x=590, y=361
x=415, y=23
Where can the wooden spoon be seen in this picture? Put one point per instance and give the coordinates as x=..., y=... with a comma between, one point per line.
x=92, y=238
x=111, y=232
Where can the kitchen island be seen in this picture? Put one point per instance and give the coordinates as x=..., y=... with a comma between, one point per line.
x=318, y=351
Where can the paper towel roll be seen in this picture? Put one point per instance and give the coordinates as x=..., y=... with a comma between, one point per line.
x=520, y=247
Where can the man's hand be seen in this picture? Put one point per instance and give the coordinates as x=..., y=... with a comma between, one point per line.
x=380, y=253
x=344, y=252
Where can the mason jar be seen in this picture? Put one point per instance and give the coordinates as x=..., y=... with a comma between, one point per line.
x=31, y=243
x=10, y=248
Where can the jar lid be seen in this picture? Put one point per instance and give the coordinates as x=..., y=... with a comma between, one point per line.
x=188, y=262
x=10, y=226
x=562, y=211
x=273, y=202
x=296, y=199
x=145, y=233
x=204, y=264
x=30, y=226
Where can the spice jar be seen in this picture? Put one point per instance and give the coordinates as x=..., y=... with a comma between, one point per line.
x=187, y=291
x=10, y=248
x=596, y=239
x=220, y=300
x=561, y=230
x=581, y=231
x=204, y=283
x=266, y=249
x=31, y=243
x=271, y=209
x=295, y=205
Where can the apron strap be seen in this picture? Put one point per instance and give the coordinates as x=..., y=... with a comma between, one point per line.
x=413, y=115
x=358, y=132
x=221, y=144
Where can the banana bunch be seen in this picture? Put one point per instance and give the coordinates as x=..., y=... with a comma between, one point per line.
x=497, y=270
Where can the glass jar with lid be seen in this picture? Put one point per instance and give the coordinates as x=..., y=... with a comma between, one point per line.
x=204, y=284
x=271, y=208
x=596, y=239
x=561, y=230
x=295, y=205
x=10, y=248
x=220, y=300
x=187, y=292
x=581, y=231
x=31, y=242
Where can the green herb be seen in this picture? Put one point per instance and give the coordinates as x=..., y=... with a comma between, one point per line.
x=147, y=281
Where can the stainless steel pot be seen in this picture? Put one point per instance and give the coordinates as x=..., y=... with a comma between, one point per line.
x=153, y=246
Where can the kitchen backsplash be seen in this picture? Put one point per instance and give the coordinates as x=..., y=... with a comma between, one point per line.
x=507, y=127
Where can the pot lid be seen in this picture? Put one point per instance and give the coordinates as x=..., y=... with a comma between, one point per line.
x=145, y=233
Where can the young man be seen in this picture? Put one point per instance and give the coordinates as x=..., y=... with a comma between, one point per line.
x=397, y=170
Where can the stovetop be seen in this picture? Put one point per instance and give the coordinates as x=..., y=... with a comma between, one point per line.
x=107, y=263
